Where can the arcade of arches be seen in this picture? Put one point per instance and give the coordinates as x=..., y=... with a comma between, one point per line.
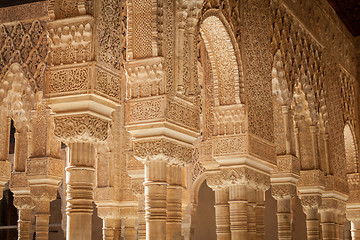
x=178, y=120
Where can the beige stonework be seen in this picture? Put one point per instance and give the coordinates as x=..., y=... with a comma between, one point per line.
x=152, y=99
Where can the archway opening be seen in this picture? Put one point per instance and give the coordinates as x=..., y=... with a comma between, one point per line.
x=204, y=226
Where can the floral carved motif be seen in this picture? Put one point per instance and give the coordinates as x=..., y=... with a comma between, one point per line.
x=229, y=145
x=111, y=31
x=262, y=149
x=347, y=96
x=173, y=151
x=28, y=45
x=81, y=127
x=146, y=110
x=68, y=80
x=108, y=84
x=281, y=191
x=183, y=115
x=245, y=176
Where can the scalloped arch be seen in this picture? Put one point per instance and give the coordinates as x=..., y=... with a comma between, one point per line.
x=224, y=56
x=351, y=151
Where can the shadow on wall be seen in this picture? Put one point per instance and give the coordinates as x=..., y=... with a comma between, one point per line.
x=204, y=226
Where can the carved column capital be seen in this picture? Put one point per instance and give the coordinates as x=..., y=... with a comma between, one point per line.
x=310, y=201
x=81, y=128
x=163, y=148
x=283, y=191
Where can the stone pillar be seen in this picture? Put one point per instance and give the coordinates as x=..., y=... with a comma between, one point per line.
x=80, y=175
x=328, y=226
x=222, y=213
x=355, y=229
x=155, y=198
x=110, y=215
x=259, y=210
x=141, y=230
x=339, y=234
x=310, y=205
x=238, y=212
x=42, y=214
x=5, y=166
x=252, y=197
x=129, y=214
x=174, y=202
x=24, y=204
x=284, y=218
x=108, y=229
x=283, y=194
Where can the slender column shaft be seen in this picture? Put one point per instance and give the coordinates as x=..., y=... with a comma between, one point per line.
x=24, y=224
x=108, y=229
x=251, y=217
x=80, y=176
x=238, y=212
x=355, y=230
x=326, y=140
x=129, y=231
x=155, y=199
x=222, y=214
x=285, y=113
x=339, y=234
x=141, y=231
x=328, y=226
x=297, y=145
x=284, y=218
x=259, y=210
x=42, y=214
x=312, y=223
x=174, y=197
x=314, y=144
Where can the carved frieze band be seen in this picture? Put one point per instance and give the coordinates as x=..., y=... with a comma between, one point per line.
x=287, y=164
x=45, y=166
x=71, y=42
x=311, y=178
x=69, y=80
x=160, y=108
x=335, y=183
x=229, y=145
x=79, y=78
x=242, y=144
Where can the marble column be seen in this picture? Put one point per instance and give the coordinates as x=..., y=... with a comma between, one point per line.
x=310, y=204
x=339, y=234
x=238, y=211
x=155, y=198
x=222, y=214
x=24, y=204
x=252, y=197
x=328, y=225
x=283, y=193
x=130, y=214
x=355, y=229
x=174, y=202
x=141, y=230
x=5, y=165
x=259, y=210
x=80, y=176
x=42, y=214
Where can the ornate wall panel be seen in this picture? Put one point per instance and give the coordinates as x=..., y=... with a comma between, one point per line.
x=257, y=67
